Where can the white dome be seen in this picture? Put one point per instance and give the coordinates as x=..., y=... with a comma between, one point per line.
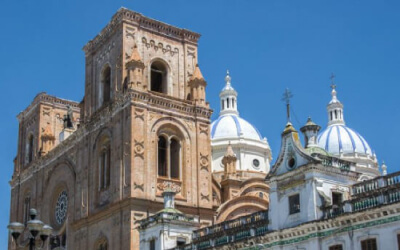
x=232, y=126
x=338, y=138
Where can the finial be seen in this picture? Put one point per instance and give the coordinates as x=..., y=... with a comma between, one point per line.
x=227, y=78
x=332, y=77
x=286, y=98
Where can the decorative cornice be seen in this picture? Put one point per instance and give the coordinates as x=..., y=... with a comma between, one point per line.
x=43, y=97
x=125, y=15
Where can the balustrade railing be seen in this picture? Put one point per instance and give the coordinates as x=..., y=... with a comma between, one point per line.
x=232, y=224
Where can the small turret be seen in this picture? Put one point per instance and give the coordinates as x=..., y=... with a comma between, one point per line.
x=48, y=140
x=310, y=131
x=335, y=108
x=134, y=69
x=197, y=86
x=229, y=162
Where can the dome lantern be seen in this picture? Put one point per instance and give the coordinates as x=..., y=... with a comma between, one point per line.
x=228, y=97
x=335, y=108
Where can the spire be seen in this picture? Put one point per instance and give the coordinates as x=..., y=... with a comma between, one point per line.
x=197, y=74
x=135, y=55
x=335, y=107
x=229, y=160
x=229, y=151
x=228, y=97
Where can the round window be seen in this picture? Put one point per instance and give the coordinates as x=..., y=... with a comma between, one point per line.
x=61, y=207
x=256, y=163
x=291, y=162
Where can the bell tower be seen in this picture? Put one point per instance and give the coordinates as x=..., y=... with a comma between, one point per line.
x=145, y=73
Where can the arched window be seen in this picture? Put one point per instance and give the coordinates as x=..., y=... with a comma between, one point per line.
x=101, y=244
x=223, y=106
x=104, y=167
x=169, y=157
x=175, y=151
x=30, y=149
x=158, y=77
x=227, y=103
x=335, y=114
x=106, y=84
x=162, y=156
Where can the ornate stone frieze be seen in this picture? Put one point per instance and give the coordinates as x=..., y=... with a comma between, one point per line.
x=169, y=185
x=160, y=47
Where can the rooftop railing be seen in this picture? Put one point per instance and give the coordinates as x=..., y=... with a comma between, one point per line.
x=366, y=187
x=229, y=231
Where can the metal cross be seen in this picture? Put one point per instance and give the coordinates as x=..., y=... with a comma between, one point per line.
x=287, y=96
x=332, y=77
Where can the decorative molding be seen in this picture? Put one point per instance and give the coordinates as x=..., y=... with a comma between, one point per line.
x=204, y=161
x=169, y=185
x=130, y=32
x=138, y=186
x=139, y=113
x=106, y=51
x=139, y=148
x=160, y=47
x=205, y=196
x=203, y=129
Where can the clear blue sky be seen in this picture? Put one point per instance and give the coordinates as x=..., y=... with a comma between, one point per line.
x=266, y=45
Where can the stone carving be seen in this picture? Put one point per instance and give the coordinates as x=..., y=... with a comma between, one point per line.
x=46, y=112
x=138, y=186
x=169, y=185
x=130, y=32
x=204, y=161
x=205, y=196
x=160, y=46
x=139, y=148
x=203, y=129
x=106, y=51
x=139, y=113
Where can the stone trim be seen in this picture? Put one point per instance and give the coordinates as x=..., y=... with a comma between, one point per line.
x=146, y=23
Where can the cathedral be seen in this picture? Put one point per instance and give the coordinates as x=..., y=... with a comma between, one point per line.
x=138, y=163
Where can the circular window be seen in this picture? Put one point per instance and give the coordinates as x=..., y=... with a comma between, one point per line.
x=256, y=163
x=291, y=162
x=61, y=207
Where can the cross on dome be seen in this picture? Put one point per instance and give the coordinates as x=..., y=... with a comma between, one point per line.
x=227, y=78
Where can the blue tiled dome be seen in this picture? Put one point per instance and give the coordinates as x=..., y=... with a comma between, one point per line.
x=339, y=138
x=232, y=126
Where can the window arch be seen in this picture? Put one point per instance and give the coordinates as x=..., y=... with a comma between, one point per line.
x=104, y=167
x=158, y=77
x=29, y=149
x=175, y=151
x=104, y=162
x=169, y=156
x=106, y=84
x=101, y=244
x=162, y=156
